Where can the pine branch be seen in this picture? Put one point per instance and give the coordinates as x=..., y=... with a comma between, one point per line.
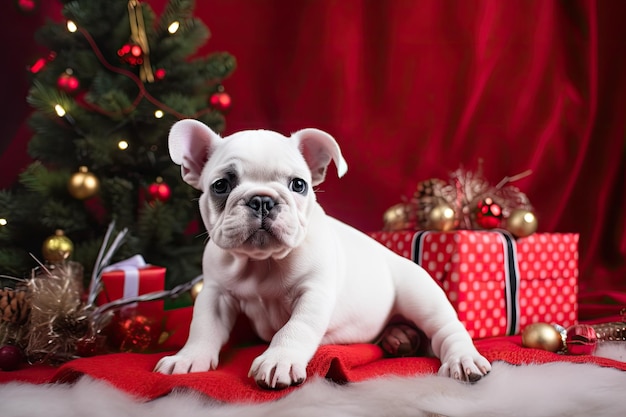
x=7, y=208
x=113, y=104
x=39, y=179
x=111, y=95
x=156, y=225
x=118, y=198
x=175, y=10
x=97, y=15
x=191, y=35
x=44, y=98
x=55, y=36
x=13, y=261
x=216, y=66
x=66, y=215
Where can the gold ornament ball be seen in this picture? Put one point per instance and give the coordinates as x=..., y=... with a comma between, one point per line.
x=521, y=223
x=542, y=336
x=195, y=290
x=57, y=247
x=83, y=184
x=396, y=218
x=441, y=217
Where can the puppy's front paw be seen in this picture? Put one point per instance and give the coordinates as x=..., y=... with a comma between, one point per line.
x=278, y=368
x=469, y=367
x=186, y=361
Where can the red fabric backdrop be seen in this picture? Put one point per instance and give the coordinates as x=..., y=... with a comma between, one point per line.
x=413, y=89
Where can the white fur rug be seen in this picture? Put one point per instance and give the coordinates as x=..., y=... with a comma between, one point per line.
x=555, y=389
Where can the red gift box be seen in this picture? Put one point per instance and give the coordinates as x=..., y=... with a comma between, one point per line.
x=128, y=281
x=497, y=284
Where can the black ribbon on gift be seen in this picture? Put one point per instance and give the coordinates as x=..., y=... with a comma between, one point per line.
x=511, y=272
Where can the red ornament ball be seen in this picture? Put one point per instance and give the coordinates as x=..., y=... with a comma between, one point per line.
x=68, y=82
x=131, y=54
x=488, y=214
x=90, y=346
x=221, y=101
x=135, y=334
x=581, y=339
x=159, y=74
x=27, y=6
x=10, y=357
x=159, y=190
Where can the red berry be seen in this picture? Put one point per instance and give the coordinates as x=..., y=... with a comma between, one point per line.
x=10, y=357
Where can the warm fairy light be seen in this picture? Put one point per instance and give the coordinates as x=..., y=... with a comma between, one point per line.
x=3, y=222
x=71, y=26
x=158, y=114
x=122, y=144
x=60, y=110
x=173, y=27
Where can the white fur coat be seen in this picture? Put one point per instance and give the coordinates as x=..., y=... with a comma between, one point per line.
x=554, y=389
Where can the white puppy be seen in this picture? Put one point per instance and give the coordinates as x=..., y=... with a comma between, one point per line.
x=301, y=277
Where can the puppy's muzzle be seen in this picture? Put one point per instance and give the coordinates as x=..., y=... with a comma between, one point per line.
x=261, y=205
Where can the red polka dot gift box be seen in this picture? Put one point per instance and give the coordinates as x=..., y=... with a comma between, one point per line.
x=498, y=284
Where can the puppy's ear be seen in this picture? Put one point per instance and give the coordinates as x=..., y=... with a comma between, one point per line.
x=191, y=142
x=318, y=148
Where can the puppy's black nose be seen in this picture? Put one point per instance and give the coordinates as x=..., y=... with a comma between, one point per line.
x=261, y=204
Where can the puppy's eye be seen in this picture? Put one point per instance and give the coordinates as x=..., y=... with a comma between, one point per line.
x=221, y=186
x=298, y=185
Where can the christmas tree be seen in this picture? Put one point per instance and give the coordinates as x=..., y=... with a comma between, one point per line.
x=116, y=78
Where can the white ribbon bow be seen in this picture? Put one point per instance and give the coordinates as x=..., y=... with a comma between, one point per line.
x=131, y=267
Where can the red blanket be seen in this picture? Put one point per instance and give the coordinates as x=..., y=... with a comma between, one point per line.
x=132, y=372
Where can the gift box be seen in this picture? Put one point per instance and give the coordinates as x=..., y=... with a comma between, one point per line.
x=497, y=284
x=131, y=278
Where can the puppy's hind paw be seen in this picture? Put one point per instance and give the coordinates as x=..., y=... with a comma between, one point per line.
x=400, y=340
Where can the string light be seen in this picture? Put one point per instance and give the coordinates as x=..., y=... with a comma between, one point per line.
x=38, y=65
x=158, y=114
x=173, y=27
x=122, y=144
x=3, y=222
x=41, y=62
x=71, y=26
x=60, y=110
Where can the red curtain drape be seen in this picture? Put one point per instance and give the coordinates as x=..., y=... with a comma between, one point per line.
x=414, y=89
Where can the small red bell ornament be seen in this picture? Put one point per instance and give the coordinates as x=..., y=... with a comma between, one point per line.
x=220, y=100
x=159, y=190
x=68, y=82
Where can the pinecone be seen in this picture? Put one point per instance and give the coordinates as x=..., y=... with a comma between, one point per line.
x=14, y=307
x=429, y=188
x=427, y=195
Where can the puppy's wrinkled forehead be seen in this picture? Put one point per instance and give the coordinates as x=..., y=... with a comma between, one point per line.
x=262, y=155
